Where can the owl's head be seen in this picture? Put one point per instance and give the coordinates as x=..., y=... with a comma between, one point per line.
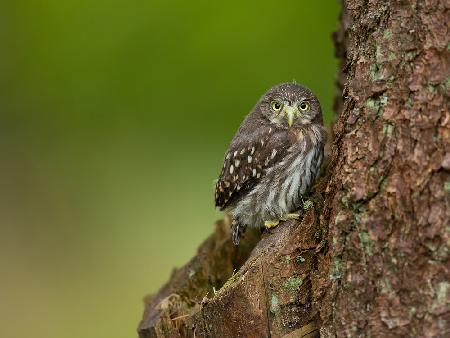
x=290, y=105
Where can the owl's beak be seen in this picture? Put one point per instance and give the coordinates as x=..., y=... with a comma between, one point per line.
x=290, y=112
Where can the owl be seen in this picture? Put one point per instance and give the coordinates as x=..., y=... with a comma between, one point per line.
x=273, y=160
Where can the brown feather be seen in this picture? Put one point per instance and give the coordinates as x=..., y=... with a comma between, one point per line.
x=249, y=158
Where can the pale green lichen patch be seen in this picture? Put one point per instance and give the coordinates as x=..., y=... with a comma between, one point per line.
x=345, y=201
x=336, y=271
x=386, y=286
x=299, y=259
x=358, y=208
x=409, y=103
x=378, y=54
x=371, y=103
x=287, y=259
x=274, y=304
x=387, y=34
x=388, y=129
x=447, y=186
x=292, y=283
x=366, y=241
x=447, y=83
x=308, y=204
x=442, y=293
x=392, y=56
x=357, y=216
x=383, y=99
x=377, y=104
x=431, y=88
x=374, y=72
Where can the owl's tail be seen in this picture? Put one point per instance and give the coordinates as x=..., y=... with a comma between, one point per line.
x=237, y=230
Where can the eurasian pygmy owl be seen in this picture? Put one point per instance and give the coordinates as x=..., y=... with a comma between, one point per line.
x=272, y=160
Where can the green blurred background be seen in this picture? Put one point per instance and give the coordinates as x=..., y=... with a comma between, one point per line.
x=114, y=117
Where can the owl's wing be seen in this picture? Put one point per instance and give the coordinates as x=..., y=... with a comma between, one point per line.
x=246, y=161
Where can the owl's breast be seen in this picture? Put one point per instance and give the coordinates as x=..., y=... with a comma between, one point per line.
x=280, y=191
x=294, y=176
x=295, y=135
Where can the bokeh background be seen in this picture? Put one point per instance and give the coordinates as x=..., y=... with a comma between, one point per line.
x=114, y=118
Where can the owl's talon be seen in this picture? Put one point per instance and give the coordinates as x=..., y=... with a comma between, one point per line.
x=271, y=224
x=237, y=231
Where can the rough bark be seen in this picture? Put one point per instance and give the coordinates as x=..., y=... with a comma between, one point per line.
x=371, y=255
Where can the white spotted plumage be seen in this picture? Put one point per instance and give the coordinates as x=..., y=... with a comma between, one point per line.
x=280, y=191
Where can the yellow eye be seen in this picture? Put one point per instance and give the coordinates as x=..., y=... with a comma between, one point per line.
x=304, y=106
x=276, y=105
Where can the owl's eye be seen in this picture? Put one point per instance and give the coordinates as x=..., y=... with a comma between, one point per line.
x=304, y=106
x=276, y=105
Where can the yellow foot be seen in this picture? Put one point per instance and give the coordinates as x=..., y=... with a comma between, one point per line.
x=271, y=224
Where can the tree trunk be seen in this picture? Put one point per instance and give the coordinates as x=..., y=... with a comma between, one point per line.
x=371, y=255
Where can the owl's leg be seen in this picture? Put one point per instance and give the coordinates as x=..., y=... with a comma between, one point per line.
x=273, y=218
x=237, y=231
